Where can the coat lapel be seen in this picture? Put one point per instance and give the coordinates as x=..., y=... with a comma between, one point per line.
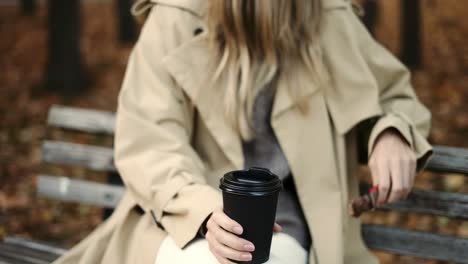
x=308, y=143
x=283, y=101
x=188, y=64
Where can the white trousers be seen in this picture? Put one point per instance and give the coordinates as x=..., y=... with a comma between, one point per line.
x=284, y=250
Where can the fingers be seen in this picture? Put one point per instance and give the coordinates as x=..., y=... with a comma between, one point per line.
x=409, y=173
x=229, y=239
x=393, y=167
x=407, y=179
x=399, y=181
x=395, y=180
x=383, y=174
x=277, y=228
x=223, y=251
x=221, y=260
x=374, y=171
x=222, y=241
x=403, y=171
x=412, y=172
x=227, y=223
x=380, y=176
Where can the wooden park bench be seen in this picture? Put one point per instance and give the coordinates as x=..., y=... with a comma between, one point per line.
x=97, y=158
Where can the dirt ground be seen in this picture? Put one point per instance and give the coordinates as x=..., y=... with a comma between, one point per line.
x=442, y=84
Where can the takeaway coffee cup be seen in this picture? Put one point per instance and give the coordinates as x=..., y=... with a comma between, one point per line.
x=250, y=198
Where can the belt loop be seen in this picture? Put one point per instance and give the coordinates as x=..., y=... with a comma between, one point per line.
x=358, y=9
x=141, y=7
x=158, y=223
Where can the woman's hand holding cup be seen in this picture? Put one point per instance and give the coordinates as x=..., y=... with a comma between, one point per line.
x=224, y=241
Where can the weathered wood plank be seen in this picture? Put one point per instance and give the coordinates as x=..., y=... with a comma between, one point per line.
x=84, y=192
x=415, y=243
x=101, y=158
x=23, y=251
x=26, y=255
x=5, y=258
x=451, y=151
x=91, y=157
x=454, y=205
x=449, y=160
x=85, y=120
x=34, y=245
x=20, y=256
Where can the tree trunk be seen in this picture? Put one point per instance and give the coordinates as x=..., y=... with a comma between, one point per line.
x=28, y=7
x=64, y=71
x=126, y=23
x=371, y=14
x=411, y=33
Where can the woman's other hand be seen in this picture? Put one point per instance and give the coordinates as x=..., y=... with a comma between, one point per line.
x=277, y=228
x=393, y=166
x=224, y=241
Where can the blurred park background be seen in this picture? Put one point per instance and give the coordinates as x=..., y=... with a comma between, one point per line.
x=74, y=53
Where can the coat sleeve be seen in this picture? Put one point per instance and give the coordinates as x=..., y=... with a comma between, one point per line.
x=153, y=151
x=402, y=109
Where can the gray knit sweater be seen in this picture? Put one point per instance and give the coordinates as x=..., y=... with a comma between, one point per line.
x=264, y=151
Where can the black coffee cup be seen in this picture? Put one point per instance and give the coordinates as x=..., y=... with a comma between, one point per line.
x=250, y=198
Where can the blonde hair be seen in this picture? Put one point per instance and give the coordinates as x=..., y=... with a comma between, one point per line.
x=258, y=42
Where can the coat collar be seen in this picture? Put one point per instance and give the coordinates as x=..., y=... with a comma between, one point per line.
x=199, y=7
x=196, y=7
x=189, y=63
x=331, y=4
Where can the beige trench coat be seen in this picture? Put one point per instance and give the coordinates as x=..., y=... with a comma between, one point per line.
x=172, y=146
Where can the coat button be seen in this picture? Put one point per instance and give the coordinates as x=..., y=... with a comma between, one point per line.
x=197, y=31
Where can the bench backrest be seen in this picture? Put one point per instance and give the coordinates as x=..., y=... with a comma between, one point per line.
x=377, y=237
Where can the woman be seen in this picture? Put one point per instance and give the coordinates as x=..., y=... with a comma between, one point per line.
x=214, y=86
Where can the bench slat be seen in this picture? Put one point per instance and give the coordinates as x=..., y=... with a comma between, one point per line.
x=5, y=258
x=85, y=192
x=454, y=205
x=26, y=254
x=101, y=158
x=85, y=120
x=416, y=243
x=37, y=246
x=91, y=157
x=23, y=251
x=449, y=160
x=452, y=151
x=21, y=256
